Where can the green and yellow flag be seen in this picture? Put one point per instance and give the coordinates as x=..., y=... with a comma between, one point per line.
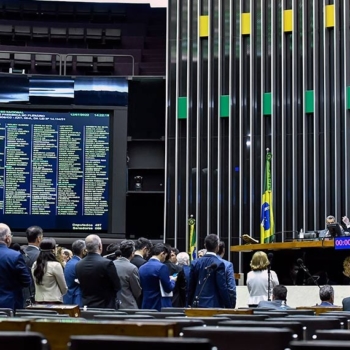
x=267, y=223
x=193, y=239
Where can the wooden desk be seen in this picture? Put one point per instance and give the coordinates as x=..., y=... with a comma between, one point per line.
x=71, y=310
x=13, y=324
x=200, y=312
x=58, y=333
x=285, y=245
x=321, y=309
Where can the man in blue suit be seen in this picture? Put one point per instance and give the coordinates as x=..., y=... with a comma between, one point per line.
x=155, y=280
x=73, y=296
x=208, y=284
x=230, y=275
x=14, y=274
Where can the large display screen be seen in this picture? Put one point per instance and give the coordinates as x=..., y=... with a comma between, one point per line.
x=54, y=168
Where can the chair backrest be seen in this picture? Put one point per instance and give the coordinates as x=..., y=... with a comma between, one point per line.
x=243, y=317
x=299, y=312
x=172, y=309
x=111, y=342
x=90, y=314
x=209, y=321
x=121, y=317
x=161, y=314
x=311, y=323
x=134, y=311
x=319, y=344
x=8, y=311
x=243, y=338
x=22, y=340
x=270, y=313
x=36, y=311
x=296, y=327
x=334, y=334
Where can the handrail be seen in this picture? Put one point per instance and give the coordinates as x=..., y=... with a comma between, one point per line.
x=63, y=57
x=96, y=55
x=38, y=53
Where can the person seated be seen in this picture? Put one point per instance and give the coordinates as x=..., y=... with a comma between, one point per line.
x=344, y=226
x=279, y=299
x=326, y=296
x=346, y=271
x=346, y=304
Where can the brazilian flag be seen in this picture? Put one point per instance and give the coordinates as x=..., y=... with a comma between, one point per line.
x=193, y=238
x=267, y=224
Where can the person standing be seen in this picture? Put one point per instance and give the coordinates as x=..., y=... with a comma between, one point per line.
x=155, y=280
x=73, y=296
x=208, y=285
x=143, y=247
x=98, y=278
x=14, y=274
x=258, y=279
x=31, y=252
x=50, y=285
x=230, y=275
x=128, y=273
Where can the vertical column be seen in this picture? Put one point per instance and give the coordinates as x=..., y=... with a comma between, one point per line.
x=346, y=101
x=316, y=111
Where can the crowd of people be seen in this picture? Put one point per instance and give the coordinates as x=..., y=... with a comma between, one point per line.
x=133, y=275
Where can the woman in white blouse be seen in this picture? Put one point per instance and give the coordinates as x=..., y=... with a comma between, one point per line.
x=257, y=279
x=50, y=284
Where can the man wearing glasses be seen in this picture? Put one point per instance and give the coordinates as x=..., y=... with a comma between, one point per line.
x=14, y=274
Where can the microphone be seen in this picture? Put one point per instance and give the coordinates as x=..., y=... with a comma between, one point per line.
x=212, y=266
x=306, y=270
x=270, y=257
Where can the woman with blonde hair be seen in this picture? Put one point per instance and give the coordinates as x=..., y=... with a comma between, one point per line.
x=50, y=284
x=346, y=271
x=257, y=279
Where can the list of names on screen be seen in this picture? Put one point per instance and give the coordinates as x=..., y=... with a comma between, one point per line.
x=54, y=169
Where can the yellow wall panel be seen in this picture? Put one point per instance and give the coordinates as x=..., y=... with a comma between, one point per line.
x=329, y=16
x=288, y=21
x=203, y=26
x=245, y=23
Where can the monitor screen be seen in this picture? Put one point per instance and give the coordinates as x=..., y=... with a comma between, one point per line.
x=334, y=230
x=54, y=168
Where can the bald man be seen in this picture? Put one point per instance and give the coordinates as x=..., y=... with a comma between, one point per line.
x=14, y=274
x=98, y=278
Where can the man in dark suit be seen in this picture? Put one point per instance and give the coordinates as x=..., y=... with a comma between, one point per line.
x=279, y=299
x=73, y=295
x=34, y=235
x=155, y=280
x=98, y=278
x=143, y=247
x=179, y=293
x=346, y=304
x=14, y=274
x=208, y=285
x=230, y=275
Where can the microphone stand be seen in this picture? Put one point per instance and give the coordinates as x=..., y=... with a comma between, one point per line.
x=306, y=270
x=196, y=299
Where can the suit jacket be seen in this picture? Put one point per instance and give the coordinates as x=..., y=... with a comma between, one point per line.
x=151, y=274
x=346, y=304
x=31, y=254
x=138, y=261
x=14, y=275
x=53, y=285
x=99, y=281
x=73, y=296
x=274, y=304
x=214, y=293
x=130, y=291
x=179, y=297
x=230, y=279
